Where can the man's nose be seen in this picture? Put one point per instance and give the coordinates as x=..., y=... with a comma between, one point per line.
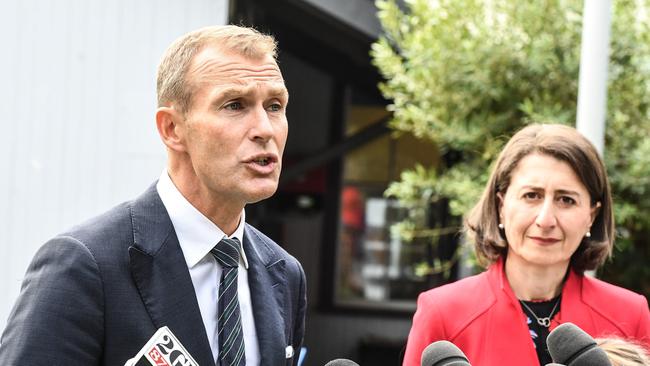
x=546, y=215
x=262, y=125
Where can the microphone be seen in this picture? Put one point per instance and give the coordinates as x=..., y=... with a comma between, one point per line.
x=443, y=353
x=571, y=346
x=341, y=362
x=162, y=349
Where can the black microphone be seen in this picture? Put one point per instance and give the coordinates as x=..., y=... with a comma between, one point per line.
x=571, y=346
x=341, y=362
x=443, y=353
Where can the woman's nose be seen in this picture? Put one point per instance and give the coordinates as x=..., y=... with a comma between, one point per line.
x=546, y=215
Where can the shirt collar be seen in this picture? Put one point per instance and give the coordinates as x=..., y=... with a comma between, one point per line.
x=196, y=234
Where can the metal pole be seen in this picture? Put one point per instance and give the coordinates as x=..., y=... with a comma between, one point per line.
x=594, y=59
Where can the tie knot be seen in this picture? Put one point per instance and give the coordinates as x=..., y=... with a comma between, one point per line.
x=227, y=252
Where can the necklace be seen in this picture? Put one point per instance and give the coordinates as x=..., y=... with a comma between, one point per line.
x=544, y=322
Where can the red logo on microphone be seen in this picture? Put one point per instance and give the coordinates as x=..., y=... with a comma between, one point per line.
x=157, y=357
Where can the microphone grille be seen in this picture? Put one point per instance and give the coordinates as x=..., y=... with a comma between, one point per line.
x=570, y=345
x=443, y=353
x=341, y=362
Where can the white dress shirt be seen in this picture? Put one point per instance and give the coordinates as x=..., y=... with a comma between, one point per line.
x=197, y=235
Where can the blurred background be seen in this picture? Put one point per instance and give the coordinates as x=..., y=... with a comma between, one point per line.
x=377, y=174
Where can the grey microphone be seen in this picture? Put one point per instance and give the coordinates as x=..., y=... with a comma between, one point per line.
x=571, y=346
x=443, y=353
x=341, y=362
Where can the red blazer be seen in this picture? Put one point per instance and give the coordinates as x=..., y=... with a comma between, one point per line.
x=482, y=316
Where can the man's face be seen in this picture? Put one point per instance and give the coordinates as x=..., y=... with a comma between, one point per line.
x=236, y=127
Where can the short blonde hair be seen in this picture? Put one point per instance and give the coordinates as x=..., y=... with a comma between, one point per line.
x=623, y=353
x=173, y=84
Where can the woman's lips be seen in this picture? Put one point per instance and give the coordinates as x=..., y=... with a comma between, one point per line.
x=544, y=240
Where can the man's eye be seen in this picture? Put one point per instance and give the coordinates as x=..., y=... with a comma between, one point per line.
x=275, y=107
x=234, y=106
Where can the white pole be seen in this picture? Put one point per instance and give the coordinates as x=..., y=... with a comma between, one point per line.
x=594, y=59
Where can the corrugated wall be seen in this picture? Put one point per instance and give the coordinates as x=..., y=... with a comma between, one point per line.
x=77, y=102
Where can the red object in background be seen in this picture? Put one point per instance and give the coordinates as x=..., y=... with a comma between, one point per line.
x=352, y=207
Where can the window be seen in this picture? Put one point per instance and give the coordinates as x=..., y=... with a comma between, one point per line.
x=374, y=268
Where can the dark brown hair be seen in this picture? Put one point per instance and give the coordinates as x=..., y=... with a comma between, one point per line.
x=563, y=143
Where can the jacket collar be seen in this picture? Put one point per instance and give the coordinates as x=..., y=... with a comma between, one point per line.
x=196, y=234
x=507, y=313
x=571, y=294
x=497, y=274
x=267, y=281
x=162, y=278
x=160, y=273
x=580, y=292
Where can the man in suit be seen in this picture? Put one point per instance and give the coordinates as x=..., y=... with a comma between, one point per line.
x=95, y=294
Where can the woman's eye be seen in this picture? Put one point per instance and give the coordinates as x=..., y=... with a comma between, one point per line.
x=568, y=201
x=531, y=195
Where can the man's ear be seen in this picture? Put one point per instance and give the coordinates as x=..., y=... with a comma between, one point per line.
x=170, y=124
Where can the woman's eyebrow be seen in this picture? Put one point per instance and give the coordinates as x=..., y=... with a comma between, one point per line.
x=567, y=192
x=531, y=187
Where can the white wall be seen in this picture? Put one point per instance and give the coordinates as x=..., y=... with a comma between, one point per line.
x=77, y=99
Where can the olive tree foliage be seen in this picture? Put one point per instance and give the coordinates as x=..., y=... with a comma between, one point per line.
x=467, y=74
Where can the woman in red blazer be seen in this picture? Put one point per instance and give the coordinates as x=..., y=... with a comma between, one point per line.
x=544, y=218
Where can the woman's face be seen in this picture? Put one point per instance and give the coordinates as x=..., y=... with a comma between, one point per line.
x=546, y=211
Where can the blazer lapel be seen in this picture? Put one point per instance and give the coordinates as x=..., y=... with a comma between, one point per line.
x=266, y=279
x=508, y=323
x=573, y=308
x=162, y=278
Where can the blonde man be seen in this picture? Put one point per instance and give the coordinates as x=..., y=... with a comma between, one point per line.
x=95, y=294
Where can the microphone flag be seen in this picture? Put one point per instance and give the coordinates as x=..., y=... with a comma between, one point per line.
x=162, y=349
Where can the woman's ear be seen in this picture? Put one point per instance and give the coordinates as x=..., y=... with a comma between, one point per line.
x=500, y=205
x=595, y=209
x=171, y=124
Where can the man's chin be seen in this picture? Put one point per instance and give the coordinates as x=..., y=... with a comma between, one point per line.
x=261, y=194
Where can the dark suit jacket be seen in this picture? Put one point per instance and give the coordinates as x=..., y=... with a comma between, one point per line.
x=482, y=316
x=96, y=294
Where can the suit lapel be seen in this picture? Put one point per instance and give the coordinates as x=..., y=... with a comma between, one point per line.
x=267, y=281
x=161, y=275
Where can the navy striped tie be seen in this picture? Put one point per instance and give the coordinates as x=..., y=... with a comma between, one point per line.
x=231, y=336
